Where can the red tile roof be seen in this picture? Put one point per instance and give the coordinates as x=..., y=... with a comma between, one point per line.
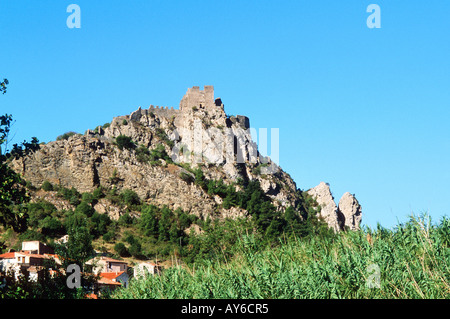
x=8, y=255
x=21, y=253
x=111, y=275
x=106, y=278
x=107, y=281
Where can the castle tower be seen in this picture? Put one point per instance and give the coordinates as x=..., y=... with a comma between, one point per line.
x=200, y=99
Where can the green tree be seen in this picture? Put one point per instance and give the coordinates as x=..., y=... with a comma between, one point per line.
x=148, y=223
x=85, y=208
x=38, y=211
x=98, y=224
x=164, y=224
x=130, y=197
x=200, y=179
x=121, y=250
x=78, y=248
x=12, y=190
x=52, y=226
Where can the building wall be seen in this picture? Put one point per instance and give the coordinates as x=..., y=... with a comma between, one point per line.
x=160, y=111
x=143, y=268
x=198, y=98
x=36, y=247
x=7, y=263
x=123, y=278
x=113, y=267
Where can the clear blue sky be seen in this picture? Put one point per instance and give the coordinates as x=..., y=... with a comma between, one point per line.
x=366, y=110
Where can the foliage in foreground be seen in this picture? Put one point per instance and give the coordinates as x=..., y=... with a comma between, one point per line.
x=411, y=261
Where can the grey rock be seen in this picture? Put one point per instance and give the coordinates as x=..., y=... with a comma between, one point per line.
x=349, y=211
x=347, y=214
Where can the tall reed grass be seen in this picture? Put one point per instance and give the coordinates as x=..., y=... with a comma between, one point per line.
x=410, y=261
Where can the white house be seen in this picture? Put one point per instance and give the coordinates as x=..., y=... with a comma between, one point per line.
x=105, y=264
x=142, y=269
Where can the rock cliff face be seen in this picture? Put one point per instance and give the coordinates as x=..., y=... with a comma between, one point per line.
x=322, y=194
x=350, y=211
x=347, y=214
x=197, y=135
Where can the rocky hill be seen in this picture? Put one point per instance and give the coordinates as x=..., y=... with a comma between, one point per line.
x=157, y=152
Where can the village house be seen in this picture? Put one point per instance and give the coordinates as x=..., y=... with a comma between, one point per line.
x=29, y=261
x=113, y=273
x=36, y=247
x=103, y=264
x=143, y=269
x=112, y=280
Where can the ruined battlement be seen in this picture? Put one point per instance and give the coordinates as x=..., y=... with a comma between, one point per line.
x=194, y=99
x=160, y=111
x=197, y=98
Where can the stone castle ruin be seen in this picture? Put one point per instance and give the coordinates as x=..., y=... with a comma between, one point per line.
x=203, y=132
x=194, y=99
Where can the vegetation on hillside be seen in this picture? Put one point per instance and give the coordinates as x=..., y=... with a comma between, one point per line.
x=411, y=261
x=270, y=253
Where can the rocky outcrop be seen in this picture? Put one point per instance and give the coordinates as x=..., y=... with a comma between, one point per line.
x=349, y=211
x=322, y=194
x=346, y=215
x=198, y=134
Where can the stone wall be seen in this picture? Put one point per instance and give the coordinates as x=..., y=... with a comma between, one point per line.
x=200, y=99
x=163, y=111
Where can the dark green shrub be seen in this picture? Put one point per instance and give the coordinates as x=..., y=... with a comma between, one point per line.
x=159, y=152
x=142, y=154
x=125, y=220
x=200, y=179
x=99, y=224
x=72, y=195
x=121, y=250
x=47, y=186
x=124, y=141
x=74, y=200
x=85, y=209
x=136, y=250
x=66, y=136
x=38, y=211
x=188, y=178
x=163, y=136
x=52, y=227
x=88, y=198
x=98, y=193
x=109, y=236
x=130, y=197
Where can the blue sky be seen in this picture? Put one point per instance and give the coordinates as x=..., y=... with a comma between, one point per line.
x=365, y=110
